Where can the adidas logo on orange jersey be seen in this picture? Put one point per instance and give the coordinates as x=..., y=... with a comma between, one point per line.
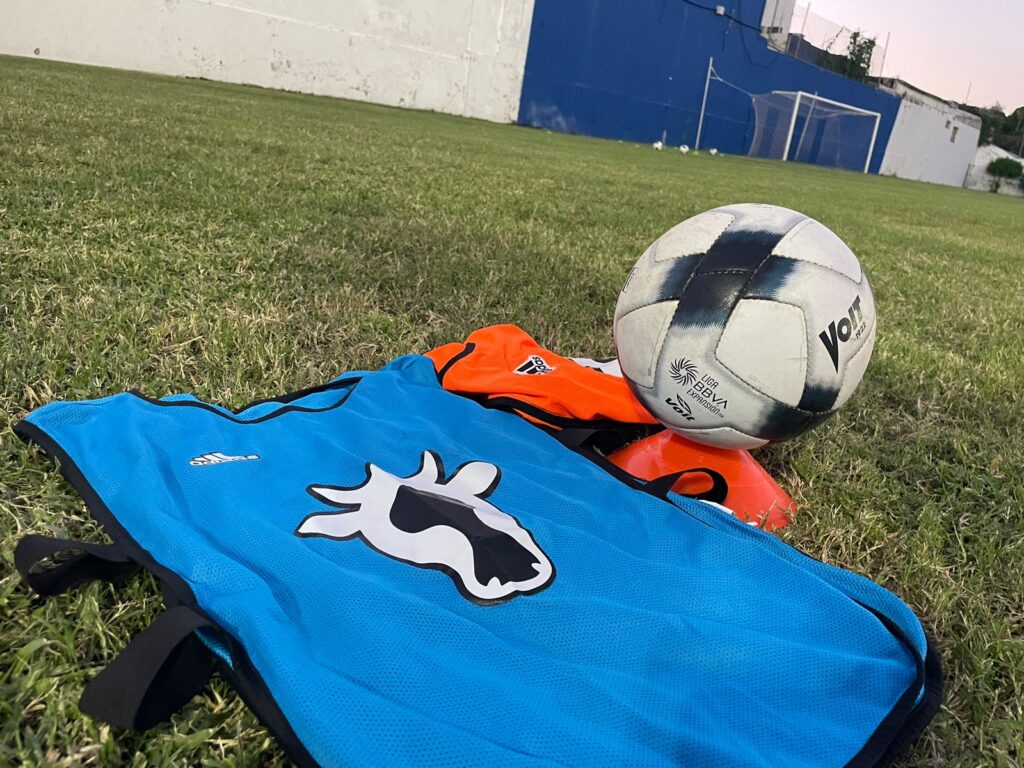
x=534, y=364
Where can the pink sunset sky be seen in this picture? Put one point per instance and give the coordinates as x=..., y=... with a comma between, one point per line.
x=943, y=46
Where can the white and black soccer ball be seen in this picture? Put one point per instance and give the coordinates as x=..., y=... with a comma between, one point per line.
x=684, y=148
x=658, y=145
x=712, y=151
x=745, y=325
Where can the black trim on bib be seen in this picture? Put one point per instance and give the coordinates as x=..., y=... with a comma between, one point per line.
x=907, y=720
x=273, y=415
x=242, y=675
x=922, y=714
x=105, y=562
x=300, y=393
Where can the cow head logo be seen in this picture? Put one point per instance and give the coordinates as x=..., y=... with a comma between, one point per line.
x=431, y=521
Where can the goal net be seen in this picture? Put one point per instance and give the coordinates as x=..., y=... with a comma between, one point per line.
x=793, y=125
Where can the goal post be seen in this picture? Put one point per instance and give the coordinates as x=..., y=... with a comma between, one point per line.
x=792, y=126
x=800, y=126
x=825, y=131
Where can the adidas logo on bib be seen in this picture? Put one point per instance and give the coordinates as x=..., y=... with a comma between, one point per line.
x=534, y=364
x=219, y=458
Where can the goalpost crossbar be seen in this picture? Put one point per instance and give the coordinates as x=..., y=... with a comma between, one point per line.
x=815, y=97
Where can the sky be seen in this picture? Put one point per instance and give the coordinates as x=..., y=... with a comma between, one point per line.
x=944, y=47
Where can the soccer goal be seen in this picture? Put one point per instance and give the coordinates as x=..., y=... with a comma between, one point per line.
x=800, y=126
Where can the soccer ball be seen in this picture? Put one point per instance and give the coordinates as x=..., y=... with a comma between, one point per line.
x=685, y=148
x=658, y=145
x=712, y=151
x=745, y=325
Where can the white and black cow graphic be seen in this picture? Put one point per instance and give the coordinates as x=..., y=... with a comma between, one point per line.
x=433, y=522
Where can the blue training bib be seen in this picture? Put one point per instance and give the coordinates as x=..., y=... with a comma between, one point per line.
x=394, y=575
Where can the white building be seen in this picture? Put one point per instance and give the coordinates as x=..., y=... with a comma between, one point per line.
x=979, y=178
x=776, y=19
x=932, y=139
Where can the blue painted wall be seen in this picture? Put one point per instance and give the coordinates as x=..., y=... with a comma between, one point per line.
x=633, y=69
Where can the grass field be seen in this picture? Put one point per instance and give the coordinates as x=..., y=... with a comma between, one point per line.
x=177, y=235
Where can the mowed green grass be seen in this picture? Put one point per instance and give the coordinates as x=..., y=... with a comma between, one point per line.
x=237, y=243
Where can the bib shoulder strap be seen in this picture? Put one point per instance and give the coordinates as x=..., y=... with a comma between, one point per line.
x=579, y=439
x=90, y=562
x=163, y=667
x=660, y=486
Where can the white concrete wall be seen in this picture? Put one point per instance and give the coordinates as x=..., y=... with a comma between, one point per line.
x=979, y=178
x=464, y=57
x=920, y=147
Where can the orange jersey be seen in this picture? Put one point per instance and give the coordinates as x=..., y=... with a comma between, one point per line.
x=503, y=365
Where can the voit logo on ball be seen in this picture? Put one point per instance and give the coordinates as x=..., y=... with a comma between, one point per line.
x=852, y=325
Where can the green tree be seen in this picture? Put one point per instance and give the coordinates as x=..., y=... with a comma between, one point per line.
x=1005, y=167
x=989, y=120
x=856, y=62
x=1017, y=118
x=1006, y=131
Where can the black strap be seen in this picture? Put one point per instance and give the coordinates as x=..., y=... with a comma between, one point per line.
x=603, y=441
x=93, y=561
x=574, y=437
x=578, y=438
x=660, y=486
x=163, y=667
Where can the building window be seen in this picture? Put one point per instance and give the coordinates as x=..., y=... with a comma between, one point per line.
x=952, y=136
